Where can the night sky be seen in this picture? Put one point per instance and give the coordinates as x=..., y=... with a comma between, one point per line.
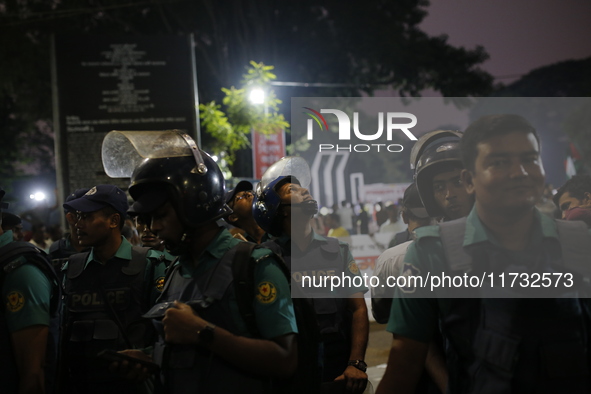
x=519, y=35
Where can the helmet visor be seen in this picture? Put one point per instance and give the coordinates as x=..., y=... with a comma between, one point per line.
x=287, y=166
x=123, y=151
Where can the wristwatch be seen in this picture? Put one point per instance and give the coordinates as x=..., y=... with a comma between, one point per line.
x=206, y=334
x=359, y=364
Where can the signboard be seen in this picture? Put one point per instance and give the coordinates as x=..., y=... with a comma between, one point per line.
x=266, y=150
x=128, y=83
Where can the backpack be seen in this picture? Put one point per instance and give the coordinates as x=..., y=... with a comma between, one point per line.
x=307, y=378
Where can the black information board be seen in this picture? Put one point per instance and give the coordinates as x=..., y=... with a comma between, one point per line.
x=122, y=83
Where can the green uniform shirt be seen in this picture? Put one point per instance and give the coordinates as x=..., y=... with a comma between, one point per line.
x=272, y=304
x=26, y=293
x=417, y=318
x=167, y=256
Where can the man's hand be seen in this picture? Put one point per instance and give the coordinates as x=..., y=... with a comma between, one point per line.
x=355, y=379
x=181, y=325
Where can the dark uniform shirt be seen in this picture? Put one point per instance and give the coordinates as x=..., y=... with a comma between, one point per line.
x=497, y=344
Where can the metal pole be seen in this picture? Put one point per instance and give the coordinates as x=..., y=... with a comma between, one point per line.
x=195, y=91
x=61, y=141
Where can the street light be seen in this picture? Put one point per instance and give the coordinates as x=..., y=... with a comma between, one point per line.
x=38, y=196
x=257, y=96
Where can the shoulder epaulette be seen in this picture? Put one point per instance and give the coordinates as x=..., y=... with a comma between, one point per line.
x=261, y=253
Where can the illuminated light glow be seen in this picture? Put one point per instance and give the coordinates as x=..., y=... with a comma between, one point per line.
x=257, y=96
x=38, y=196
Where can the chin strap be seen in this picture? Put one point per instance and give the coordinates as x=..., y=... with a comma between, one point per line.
x=182, y=247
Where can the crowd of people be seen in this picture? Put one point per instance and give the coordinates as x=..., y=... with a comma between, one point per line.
x=195, y=288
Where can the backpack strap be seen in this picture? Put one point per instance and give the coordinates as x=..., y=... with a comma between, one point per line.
x=452, y=237
x=57, y=245
x=243, y=266
x=170, y=272
x=575, y=244
x=13, y=250
x=76, y=264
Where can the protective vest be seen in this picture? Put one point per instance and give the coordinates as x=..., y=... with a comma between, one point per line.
x=104, y=311
x=12, y=256
x=518, y=345
x=333, y=317
x=59, y=253
x=308, y=375
x=195, y=369
x=326, y=258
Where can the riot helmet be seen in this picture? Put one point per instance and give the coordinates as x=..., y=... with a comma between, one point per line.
x=428, y=139
x=267, y=201
x=435, y=159
x=167, y=165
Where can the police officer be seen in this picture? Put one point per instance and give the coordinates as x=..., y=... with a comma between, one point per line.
x=206, y=344
x=495, y=341
x=437, y=176
x=14, y=223
x=148, y=238
x=239, y=200
x=575, y=193
x=436, y=159
x=284, y=209
x=60, y=250
x=108, y=290
x=29, y=318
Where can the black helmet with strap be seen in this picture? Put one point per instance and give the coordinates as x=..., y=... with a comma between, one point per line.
x=167, y=165
x=428, y=139
x=440, y=155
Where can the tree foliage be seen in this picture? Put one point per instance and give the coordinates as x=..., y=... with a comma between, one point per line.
x=360, y=46
x=230, y=128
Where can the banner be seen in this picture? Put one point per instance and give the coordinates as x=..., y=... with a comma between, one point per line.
x=266, y=150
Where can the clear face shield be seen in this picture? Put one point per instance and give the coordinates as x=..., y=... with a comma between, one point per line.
x=295, y=167
x=124, y=151
x=287, y=166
